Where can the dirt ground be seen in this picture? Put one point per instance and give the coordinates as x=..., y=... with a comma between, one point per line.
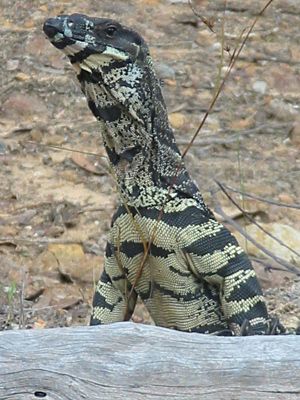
x=57, y=198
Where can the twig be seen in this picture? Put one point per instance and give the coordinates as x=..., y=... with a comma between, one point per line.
x=259, y=198
x=258, y=57
x=266, y=263
x=22, y=297
x=51, y=146
x=15, y=240
x=232, y=63
x=208, y=22
x=251, y=219
x=213, y=139
x=290, y=267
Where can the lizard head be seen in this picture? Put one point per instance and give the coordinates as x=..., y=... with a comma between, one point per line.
x=116, y=73
x=91, y=43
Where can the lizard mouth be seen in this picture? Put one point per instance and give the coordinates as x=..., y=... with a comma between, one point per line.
x=72, y=36
x=52, y=27
x=61, y=35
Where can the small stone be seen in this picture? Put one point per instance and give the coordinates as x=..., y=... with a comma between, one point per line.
x=177, y=120
x=22, y=77
x=164, y=71
x=285, y=233
x=12, y=65
x=282, y=110
x=294, y=135
x=260, y=87
x=2, y=148
x=286, y=198
x=18, y=105
x=46, y=159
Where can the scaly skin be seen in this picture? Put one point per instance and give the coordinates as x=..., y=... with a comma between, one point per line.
x=187, y=268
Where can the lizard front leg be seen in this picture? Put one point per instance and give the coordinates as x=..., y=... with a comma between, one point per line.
x=114, y=301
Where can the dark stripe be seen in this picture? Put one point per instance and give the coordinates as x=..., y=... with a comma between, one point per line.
x=218, y=329
x=108, y=114
x=109, y=251
x=105, y=278
x=123, y=211
x=247, y=290
x=157, y=251
x=85, y=76
x=189, y=217
x=100, y=301
x=180, y=273
x=136, y=191
x=238, y=263
x=259, y=309
x=131, y=249
x=211, y=243
x=118, y=278
x=63, y=43
x=146, y=295
x=114, y=158
x=130, y=153
x=115, y=65
x=189, y=296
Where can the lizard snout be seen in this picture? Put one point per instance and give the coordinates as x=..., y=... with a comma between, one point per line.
x=52, y=26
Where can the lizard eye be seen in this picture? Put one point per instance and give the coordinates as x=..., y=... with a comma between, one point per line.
x=70, y=24
x=110, y=30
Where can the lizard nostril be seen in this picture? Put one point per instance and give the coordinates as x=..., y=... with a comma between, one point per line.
x=70, y=23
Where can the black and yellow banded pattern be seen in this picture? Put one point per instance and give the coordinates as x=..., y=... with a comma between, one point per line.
x=185, y=266
x=196, y=278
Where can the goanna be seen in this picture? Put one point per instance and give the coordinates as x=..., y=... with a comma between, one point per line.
x=164, y=244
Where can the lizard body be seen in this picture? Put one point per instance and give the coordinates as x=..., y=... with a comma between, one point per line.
x=164, y=245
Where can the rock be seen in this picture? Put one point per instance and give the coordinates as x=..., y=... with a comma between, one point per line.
x=283, y=81
x=260, y=87
x=59, y=296
x=241, y=124
x=286, y=198
x=2, y=148
x=88, y=270
x=21, y=106
x=285, y=233
x=71, y=263
x=22, y=77
x=164, y=71
x=177, y=120
x=178, y=1
x=12, y=64
x=271, y=278
x=281, y=110
x=294, y=135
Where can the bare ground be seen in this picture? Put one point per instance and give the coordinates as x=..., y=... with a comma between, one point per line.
x=56, y=204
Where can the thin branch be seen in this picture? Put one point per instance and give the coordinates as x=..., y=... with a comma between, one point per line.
x=259, y=198
x=208, y=22
x=266, y=263
x=290, y=267
x=15, y=240
x=232, y=63
x=214, y=139
x=251, y=219
x=51, y=146
x=219, y=90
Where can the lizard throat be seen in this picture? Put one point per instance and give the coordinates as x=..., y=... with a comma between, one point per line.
x=146, y=163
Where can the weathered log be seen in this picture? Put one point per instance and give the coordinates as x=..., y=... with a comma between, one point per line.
x=133, y=361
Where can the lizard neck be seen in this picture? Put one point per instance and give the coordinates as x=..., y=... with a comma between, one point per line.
x=146, y=163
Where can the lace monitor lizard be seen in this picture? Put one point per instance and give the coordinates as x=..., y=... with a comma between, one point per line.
x=164, y=245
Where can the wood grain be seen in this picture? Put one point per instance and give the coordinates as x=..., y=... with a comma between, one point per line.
x=133, y=361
